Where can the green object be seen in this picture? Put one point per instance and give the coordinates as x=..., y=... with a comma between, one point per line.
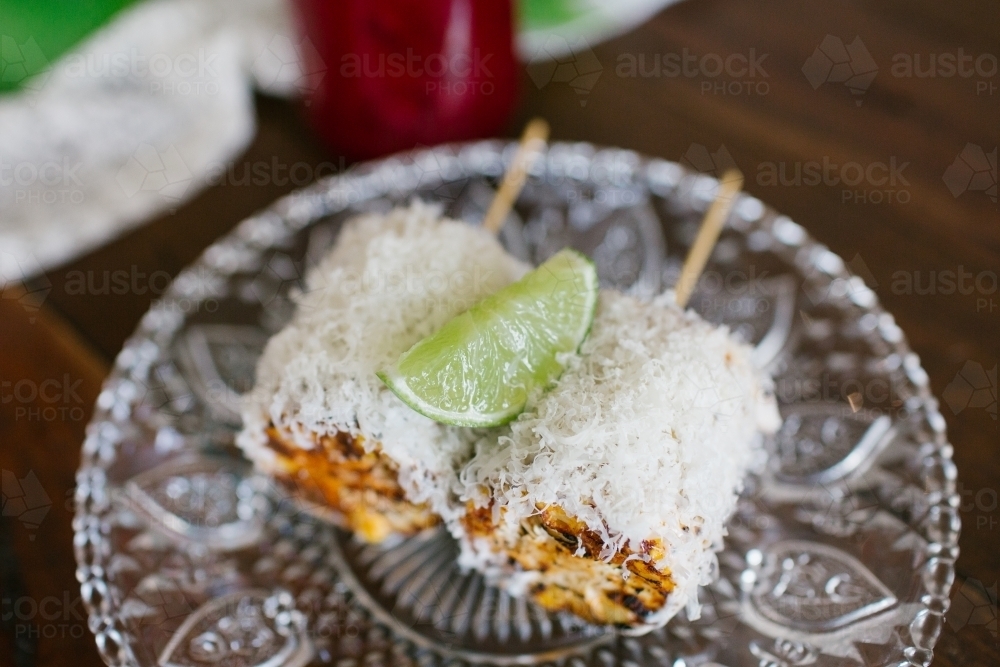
x=548, y=13
x=34, y=33
x=480, y=368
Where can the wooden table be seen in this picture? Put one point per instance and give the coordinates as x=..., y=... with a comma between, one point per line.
x=908, y=221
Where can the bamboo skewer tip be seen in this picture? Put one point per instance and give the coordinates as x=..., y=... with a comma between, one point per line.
x=530, y=146
x=730, y=184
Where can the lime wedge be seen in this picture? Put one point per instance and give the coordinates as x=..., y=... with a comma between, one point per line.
x=481, y=366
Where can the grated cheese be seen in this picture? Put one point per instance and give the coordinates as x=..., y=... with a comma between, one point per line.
x=389, y=281
x=647, y=434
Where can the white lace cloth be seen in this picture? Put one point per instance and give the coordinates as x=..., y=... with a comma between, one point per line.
x=129, y=123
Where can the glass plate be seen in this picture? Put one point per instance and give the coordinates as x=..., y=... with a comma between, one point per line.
x=841, y=553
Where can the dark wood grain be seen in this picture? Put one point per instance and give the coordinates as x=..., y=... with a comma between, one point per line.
x=924, y=122
x=51, y=380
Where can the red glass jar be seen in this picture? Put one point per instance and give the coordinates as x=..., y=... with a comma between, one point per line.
x=401, y=73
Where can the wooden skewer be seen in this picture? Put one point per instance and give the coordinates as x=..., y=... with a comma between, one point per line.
x=711, y=226
x=536, y=133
